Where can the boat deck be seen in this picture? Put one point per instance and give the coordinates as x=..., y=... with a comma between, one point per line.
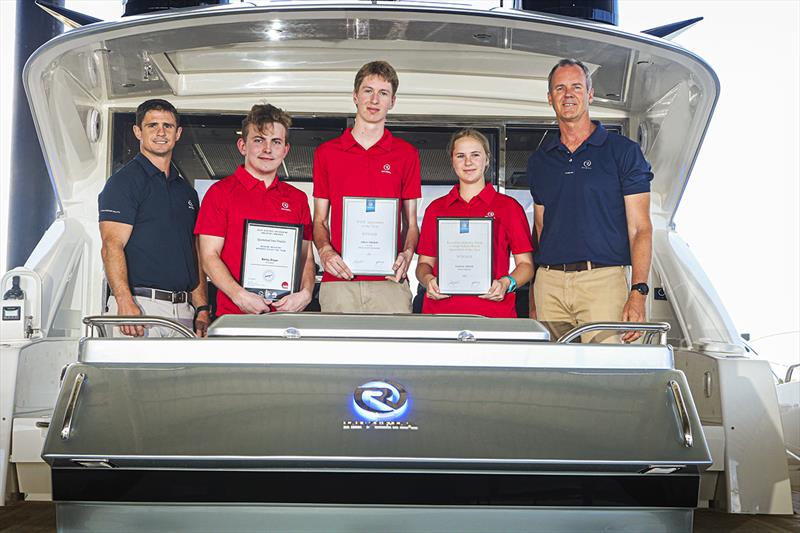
x=40, y=517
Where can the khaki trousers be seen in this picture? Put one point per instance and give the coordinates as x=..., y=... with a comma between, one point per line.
x=381, y=297
x=183, y=313
x=567, y=299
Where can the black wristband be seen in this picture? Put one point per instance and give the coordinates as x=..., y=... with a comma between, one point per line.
x=198, y=309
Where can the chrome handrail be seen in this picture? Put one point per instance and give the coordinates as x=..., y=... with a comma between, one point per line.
x=651, y=329
x=790, y=371
x=101, y=321
x=686, y=425
x=69, y=411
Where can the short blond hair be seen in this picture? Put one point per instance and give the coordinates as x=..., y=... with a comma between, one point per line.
x=469, y=132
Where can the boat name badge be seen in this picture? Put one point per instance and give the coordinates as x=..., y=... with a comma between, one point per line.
x=380, y=405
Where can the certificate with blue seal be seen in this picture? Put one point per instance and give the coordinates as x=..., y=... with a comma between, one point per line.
x=369, y=235
x=465, y=251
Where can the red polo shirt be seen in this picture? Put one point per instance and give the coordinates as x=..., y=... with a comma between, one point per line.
x=389, y=169
x=240, y=196
x=511, y=234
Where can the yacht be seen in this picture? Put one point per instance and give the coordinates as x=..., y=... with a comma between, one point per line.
x=315, y=421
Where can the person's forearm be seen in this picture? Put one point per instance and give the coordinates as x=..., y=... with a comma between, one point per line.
x=424, y=273
x=116, y=271
x=412, y=238
x=641, y=255
x=522, y=273
x=309, y=271
x=322, y=237
x=220, y=275
x=200, y=293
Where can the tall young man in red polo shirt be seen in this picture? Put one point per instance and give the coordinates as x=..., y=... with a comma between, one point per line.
x=366, y=161
x=253, y=192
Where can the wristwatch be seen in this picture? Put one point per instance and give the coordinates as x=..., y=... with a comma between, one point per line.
x=512, y=284
x=641, y=288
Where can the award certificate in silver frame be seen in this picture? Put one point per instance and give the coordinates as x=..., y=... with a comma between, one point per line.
x=271, y=258
x=465, y=248
x=369, y=235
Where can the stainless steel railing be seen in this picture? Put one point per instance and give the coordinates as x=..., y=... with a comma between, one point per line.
x=650, y=330
x=99, y=323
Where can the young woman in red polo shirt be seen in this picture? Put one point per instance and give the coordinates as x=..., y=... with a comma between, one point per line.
x=474, y=197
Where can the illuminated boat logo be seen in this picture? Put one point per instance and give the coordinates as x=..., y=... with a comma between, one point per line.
x=380, y=400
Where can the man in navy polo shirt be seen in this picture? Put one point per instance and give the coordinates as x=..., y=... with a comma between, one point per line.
x=591, y=194
x=147, y=217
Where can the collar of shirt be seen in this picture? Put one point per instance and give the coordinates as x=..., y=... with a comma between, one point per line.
x=486, y=195
x=348, y=141
x=249, y=182
x=597, y=138
x=152, y=170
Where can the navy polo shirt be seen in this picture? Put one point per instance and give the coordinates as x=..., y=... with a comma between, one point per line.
x=162, y=210
x=583, y=197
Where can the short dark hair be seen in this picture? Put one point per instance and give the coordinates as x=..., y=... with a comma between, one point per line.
x=570, y=63
x=261, y=115
x=156, y=104
x=381, y=69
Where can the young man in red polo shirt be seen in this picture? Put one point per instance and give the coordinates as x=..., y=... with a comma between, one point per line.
x=366, y=161
x=253, y=192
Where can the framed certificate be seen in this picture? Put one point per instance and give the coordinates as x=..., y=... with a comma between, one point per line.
x=271, y=258
x=369, y=235
x=465, y=248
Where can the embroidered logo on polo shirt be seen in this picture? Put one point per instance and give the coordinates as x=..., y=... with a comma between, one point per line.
x=285, y=206
x=587, y=165
x=191, y=205
x=387, y=169
x=490, y=214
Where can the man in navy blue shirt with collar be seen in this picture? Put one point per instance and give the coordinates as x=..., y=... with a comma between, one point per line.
x=147, y=217
x=591, y=194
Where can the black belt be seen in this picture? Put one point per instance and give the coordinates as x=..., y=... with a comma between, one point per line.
x=178, y=297
x=580, y=266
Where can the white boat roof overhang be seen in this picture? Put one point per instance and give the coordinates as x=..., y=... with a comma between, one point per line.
x=302, y=57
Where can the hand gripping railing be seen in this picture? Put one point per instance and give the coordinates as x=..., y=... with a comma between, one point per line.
x=100, y=322
x=650, y=328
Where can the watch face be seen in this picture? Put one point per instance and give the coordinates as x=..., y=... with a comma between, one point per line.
x=641, y=288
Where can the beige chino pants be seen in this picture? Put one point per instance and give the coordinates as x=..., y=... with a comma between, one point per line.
x=567, y=299
x=381, y=297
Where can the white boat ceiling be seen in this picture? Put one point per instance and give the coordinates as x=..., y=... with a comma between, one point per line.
x=486, y=65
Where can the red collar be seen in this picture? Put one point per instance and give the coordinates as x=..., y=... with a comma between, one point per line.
x=348, y=141
x=249, y=182
x=486, y=195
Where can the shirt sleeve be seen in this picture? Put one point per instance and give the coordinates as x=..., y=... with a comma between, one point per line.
x=531, y=173
x=118, y=201
x=519, y=236
x=427, y=244
x=305, y=219
x=320, y=173
x=635, y=173
x=213, y=216
x=412, y=180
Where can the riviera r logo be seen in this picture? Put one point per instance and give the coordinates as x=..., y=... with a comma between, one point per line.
x=380, y=400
